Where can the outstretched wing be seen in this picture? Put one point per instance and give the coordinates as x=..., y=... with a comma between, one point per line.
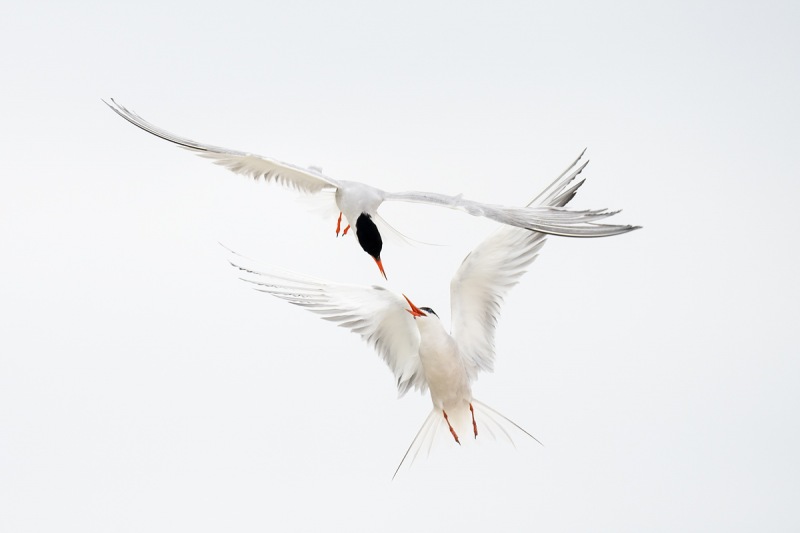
x=252, y=165
x=488, y=272
x=378, y=315
x=545, y=217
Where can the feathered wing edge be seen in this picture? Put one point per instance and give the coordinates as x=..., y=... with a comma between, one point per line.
x=376, y=314
x=545, y=214
x=252, y=165
x=486, y=274
x=488, y=419
x=551, y=220
x=555, y=194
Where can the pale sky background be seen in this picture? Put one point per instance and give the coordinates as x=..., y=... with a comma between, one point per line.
x=143, y=387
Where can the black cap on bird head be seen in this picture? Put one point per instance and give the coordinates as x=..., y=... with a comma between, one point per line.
x=370, y=239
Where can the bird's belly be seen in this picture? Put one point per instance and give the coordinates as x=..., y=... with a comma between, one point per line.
x=355, y=198
x=448, y=382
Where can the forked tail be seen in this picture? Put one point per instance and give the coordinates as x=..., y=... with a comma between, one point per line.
x=488, y=422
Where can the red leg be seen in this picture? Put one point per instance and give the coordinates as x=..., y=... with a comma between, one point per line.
x=346, y=230
x=452, y=431
x=474, y=425
x=339, y=224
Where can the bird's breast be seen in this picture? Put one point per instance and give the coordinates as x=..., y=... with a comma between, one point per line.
x=354, y=198
x=444, y=371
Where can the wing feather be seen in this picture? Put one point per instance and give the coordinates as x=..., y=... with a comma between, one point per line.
x=376, y=314
x=488, y=272
x=254, y=166
x=545, y=214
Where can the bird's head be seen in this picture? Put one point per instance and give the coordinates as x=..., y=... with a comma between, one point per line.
x=419, y=311
x=370, y=239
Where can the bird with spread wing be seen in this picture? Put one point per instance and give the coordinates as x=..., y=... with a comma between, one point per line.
x=358, y=202
x=412, y=340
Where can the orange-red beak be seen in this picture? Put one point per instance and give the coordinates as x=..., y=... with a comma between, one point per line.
x=415, y=311
x=380, y=265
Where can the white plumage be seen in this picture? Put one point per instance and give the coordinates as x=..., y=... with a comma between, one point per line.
x=358, y=203
x=413, y=341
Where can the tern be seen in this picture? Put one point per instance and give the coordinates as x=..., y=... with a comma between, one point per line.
x=412, y=340
x=358, y=203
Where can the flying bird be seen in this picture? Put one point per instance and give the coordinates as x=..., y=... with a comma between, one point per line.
x=412, y=340
x=358, y=203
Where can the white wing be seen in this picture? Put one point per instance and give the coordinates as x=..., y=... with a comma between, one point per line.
x=252, y=165
x=545, y=217
x=375, y=313
x=490, y=270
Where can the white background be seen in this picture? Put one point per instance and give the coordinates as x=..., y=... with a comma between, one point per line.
x=143, y=387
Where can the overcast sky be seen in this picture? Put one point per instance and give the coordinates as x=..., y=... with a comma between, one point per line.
x=143, y=387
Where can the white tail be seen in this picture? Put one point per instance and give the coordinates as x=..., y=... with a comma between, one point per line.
x=489, y=421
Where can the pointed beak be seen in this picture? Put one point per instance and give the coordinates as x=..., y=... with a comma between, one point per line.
x=415, y=311
x=380, y=266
